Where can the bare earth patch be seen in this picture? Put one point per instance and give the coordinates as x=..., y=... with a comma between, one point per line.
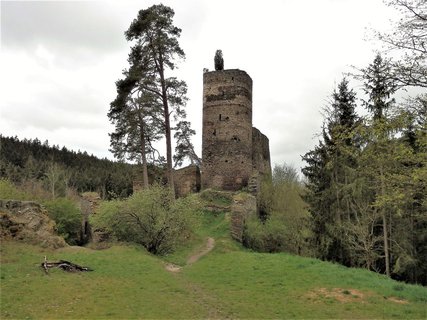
x=209, y=246
x=397, y=300
x=339, y=294
x=172, y=268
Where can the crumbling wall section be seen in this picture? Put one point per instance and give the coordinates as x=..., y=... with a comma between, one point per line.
x=244, y=206
x=227, y=129
x=187, y=180
x=260, y=153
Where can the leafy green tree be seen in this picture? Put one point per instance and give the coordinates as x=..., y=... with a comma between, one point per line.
x=151, y=217
x=53, y=176
x=382, y=165
x=411, y=225
x=10, y=192
x=68, y=218
x=380, y=85
x=286, y=223
x=155, y=51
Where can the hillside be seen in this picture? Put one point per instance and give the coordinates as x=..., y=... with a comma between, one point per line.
x=28, y=161
x=227, y=282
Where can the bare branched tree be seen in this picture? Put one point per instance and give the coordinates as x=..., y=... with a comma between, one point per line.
x=409, y=36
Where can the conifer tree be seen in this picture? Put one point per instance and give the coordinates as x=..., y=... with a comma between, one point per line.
x=330, y=170
x=154, y=54
x=184, y=147
x=378, y=157
x=136, y=114
x=379, y=85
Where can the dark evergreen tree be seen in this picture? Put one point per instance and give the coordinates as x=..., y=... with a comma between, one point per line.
x=184, y=147
x=137, y=115
x=27, y=163
x=379, y=85
x=154, y=53
x=331, y=169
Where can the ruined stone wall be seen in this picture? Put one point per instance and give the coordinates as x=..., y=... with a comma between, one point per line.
x=244, y=206
x=260, y=153
x=227, y=129
x=187, y=180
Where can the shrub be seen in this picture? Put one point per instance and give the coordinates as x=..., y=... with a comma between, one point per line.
x=68, y=218
x=151, y=217
x=9, y=191
x=216, y=197
x=284, y=222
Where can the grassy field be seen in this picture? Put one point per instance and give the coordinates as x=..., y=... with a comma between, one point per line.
x=229, y=282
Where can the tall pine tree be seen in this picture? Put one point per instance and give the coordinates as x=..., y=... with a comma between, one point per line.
x=154, y=54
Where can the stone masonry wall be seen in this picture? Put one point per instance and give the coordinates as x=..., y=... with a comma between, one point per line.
x=260, y=153
x=187, y=180
x=244, y=206
x=227, y=129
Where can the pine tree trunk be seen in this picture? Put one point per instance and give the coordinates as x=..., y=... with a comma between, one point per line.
x=143, y=154
x=385, y=228
x=386, y=249
x=167, y=129
x=168, y=148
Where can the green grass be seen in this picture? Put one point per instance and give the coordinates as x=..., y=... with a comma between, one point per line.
x=127, y=283
x=229, y=282
x=215, y=225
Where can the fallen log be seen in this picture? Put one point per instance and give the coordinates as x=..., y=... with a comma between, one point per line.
x=64, y=265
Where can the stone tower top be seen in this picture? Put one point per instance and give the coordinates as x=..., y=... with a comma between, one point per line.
x=227, y=129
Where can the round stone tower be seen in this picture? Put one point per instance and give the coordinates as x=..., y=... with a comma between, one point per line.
x=227, y=129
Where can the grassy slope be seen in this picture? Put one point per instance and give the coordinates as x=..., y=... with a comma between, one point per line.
x=228, y=282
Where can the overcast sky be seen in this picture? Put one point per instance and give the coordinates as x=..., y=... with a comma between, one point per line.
x=60, y=61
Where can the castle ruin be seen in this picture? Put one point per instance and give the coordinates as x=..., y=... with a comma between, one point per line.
x=233, y=152
x=235, y=155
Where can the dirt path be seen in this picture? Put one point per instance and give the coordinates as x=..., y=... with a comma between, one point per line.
x=209, y=246
x=206, y=299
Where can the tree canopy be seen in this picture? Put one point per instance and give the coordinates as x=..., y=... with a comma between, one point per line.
x=148, y=96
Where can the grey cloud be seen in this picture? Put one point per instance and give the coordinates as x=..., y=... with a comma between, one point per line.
x=58, y=109
x=61, y=25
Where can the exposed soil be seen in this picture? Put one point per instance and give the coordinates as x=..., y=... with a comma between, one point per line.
x=346, y=295
x=173, y=268
x=397, y=300
x=339, y=294
x=209, y=246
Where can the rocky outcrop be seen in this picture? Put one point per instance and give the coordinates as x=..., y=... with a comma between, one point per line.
x=28, y=221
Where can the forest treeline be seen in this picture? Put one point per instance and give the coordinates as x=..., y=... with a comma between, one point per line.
x=367, y=181
x=39, y=167
x=367, y=176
